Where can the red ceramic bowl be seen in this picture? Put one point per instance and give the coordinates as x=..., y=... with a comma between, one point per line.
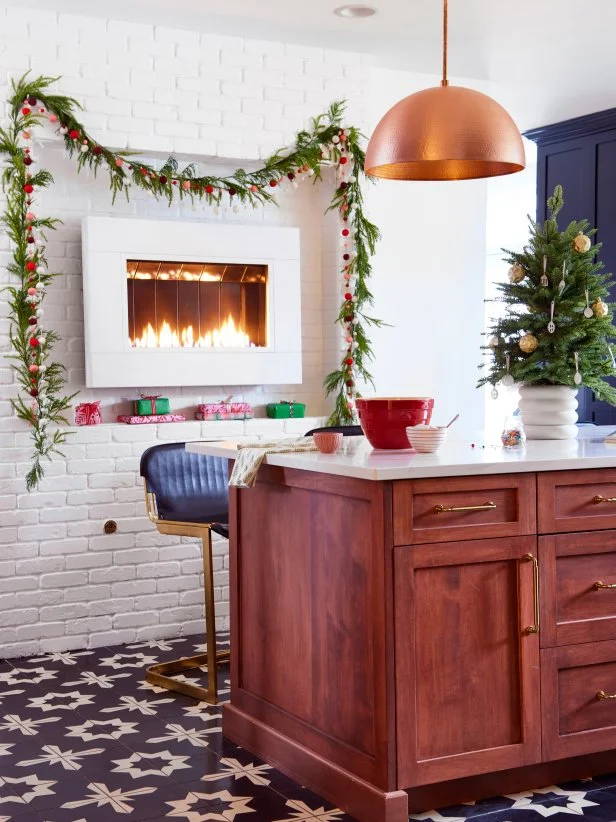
x=384, y=420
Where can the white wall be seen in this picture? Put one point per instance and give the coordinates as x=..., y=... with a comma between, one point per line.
x=63, y=582
x=429, y=274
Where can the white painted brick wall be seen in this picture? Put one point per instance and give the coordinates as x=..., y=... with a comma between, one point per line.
x=64, y=584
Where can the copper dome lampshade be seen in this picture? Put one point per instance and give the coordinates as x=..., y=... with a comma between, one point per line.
x=445, y=133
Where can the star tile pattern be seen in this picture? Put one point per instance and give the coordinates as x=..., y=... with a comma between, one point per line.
x=83, y=738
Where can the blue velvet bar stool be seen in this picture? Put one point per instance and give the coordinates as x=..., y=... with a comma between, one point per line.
x=187, y=495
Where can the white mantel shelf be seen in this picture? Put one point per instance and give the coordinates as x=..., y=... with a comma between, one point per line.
x=457, y=458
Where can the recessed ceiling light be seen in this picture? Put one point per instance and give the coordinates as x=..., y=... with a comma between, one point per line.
x=355, y=10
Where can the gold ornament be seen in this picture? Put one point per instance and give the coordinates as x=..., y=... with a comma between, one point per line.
x=516, y=274
x=528, y=343
x=581, y=243
x=599, y=308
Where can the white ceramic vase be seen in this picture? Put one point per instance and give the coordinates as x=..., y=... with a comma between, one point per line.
x=548, y=412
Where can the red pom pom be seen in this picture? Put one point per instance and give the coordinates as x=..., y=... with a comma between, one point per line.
x=345, y=232
x=32, y=100
x=97, y=150
x=73, y=134
x=346, y=257
x=31, y=266
x=343, y=160
x=349, y=361
x=162, y=180
x=28, y=161
x=25, y=111
x=30, y=239
x=232, y=191
x=350, y=383
x=34, y=342
x=33, y=392
x=28, y=188
x=209, y=189
x=291, y=176
x=343, y=185
x=348, y=318
x=273, y=183
x=32, y=320
x=144, y=171
x=348, y=296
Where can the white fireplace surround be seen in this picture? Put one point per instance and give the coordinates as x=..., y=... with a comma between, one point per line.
x=108, y=242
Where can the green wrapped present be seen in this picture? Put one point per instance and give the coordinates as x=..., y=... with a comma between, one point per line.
x=285, y=410
x=149, y=405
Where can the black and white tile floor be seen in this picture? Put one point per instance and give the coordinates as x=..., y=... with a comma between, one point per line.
x=84, y=739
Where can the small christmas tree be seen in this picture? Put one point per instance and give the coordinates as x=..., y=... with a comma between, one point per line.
x=558, y=325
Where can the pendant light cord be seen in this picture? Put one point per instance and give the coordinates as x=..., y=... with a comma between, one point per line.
x=444, y=81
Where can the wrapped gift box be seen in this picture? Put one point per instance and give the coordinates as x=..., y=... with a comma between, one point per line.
x=88, y=413
x=136, y=419
x=149, y=405
x=285, y=410
x=224, y=411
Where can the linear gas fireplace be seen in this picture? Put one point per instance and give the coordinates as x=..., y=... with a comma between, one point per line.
x=170, y=303
x=196, y=305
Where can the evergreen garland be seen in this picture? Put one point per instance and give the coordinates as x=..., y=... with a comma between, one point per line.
x=574, y=284
x=328, y=142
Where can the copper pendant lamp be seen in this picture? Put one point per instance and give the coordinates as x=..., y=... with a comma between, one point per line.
x=445, y=133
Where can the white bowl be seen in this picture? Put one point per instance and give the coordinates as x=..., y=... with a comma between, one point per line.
x=426, y=439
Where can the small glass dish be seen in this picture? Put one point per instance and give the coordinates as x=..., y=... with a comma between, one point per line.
x=513, y=435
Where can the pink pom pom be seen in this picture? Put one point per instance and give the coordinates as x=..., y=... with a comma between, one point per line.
x=119, y=162
x=33, y=369
x=30, y=215
x=53, y=118
x=186, y=185
x=32, y=292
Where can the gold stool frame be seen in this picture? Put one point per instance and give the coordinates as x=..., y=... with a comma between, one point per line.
x=161, y=674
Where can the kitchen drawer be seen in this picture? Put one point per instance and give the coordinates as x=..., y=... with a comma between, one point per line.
x=492, y=506
x=576, y=720
x=575, y=607
x=576, y=500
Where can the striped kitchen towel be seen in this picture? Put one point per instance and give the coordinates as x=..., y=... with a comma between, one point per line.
x=252, y=454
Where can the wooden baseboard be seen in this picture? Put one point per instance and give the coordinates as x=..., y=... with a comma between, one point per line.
x=443, y=794
x=353, y=795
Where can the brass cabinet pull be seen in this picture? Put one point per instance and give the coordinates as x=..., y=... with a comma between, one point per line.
x=442, y=509
x=603, y=695
x=598, y=499
x=534, y=629
x=600, y=584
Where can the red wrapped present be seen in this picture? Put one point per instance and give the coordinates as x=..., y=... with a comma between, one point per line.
x=225, y=410
x=88, y=413
x=134, y=419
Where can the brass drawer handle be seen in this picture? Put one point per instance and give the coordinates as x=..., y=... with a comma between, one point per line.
x=603, y=695
x=534, y=629
x=445, y=509
x=600, y=584
x=599, y=499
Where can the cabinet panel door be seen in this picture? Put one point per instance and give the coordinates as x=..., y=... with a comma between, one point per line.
x=467, y=670
x=578, y=691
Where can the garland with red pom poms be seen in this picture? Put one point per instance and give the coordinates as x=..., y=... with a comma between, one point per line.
x=327, y=143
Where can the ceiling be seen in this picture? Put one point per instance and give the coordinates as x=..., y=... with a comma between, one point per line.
x=552, y=44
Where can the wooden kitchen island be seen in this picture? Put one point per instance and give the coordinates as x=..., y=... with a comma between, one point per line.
x=410, y=631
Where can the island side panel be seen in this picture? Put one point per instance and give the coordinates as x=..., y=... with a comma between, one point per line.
x=309, y=616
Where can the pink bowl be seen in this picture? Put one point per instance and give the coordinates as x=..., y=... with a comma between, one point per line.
x=385, y=420
x=328, y=442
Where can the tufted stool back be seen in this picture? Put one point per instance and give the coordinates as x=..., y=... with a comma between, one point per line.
x=188, y=487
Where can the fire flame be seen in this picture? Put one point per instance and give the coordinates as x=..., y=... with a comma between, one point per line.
x=227, y=336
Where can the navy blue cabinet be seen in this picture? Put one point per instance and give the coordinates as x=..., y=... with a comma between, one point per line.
x=580, y=155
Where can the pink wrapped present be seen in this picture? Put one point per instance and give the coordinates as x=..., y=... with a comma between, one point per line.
x=224, y=411
x=132, y=419
x=88, y=413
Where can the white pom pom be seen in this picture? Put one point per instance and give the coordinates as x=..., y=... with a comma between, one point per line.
x=311, y=172
x=40, y=270
x=40, y=285
x=352, y=179
x=42, y=368
x=355, y=320
x=354, y=299
x=84, y=148
x=39, y=312
x=335, y=139
x=63, y=130
x=42, y=340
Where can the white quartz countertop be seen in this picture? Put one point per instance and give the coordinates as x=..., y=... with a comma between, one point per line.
x=460, y=456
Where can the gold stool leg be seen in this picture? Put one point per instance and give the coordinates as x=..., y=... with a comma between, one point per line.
x=161, y=674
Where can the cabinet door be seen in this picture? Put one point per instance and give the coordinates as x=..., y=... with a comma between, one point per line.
x=467, y=668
